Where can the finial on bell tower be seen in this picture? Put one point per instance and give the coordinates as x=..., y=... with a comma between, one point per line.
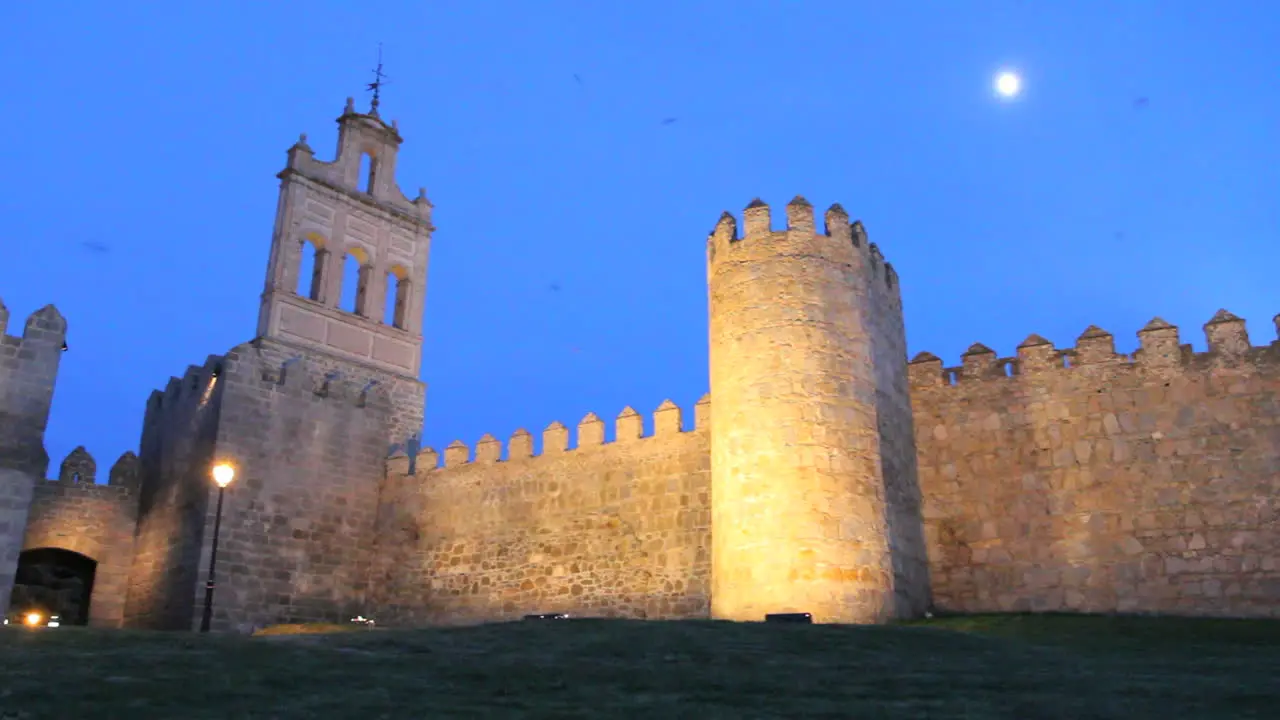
x=379, y=79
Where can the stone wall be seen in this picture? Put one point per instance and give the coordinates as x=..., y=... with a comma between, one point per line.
x=28, y=372
x=176, y=455
x=96, y=520
x=1090, y=481
x=16, y=488
x=310, y=436
x=619, y=529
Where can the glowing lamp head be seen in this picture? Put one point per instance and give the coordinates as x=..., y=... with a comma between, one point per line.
x=33, y=618
x=223, y=474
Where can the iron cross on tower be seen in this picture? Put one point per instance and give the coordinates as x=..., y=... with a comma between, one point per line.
x=379, y=79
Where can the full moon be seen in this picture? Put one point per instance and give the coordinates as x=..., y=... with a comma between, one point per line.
x=1008, y=84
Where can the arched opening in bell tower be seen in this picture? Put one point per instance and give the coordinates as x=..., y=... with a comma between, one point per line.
x=368, y=172
x=356, y=271
x=396, y=302
x=311, y=257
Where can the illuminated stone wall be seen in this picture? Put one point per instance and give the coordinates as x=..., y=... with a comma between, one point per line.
x=617, y=529
x=1090, y=481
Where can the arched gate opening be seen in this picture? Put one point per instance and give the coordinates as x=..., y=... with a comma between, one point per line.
x=53, y=581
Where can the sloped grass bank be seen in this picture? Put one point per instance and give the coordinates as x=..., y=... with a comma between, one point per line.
x=1016, y=666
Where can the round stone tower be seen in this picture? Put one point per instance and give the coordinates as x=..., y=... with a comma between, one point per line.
x=801, y=520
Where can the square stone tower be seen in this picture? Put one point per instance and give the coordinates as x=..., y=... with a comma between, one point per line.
x=307, y=411
x=28, y=371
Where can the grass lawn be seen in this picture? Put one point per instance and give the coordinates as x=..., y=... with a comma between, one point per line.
x=1012, y=666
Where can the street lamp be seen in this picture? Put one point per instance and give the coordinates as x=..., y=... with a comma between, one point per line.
x=223, y=474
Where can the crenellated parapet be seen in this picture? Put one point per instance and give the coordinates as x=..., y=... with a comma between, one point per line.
x=28, y=373
x=299, y=377
x=79, y=467
x=126, y=472
x=628, y=428
x=839, y=239
x=295, y=377
x=1160, y=351
x=78, y=473
x=45, y=328
x=193, y=390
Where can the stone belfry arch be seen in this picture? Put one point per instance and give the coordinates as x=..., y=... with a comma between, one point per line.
x=349, y=210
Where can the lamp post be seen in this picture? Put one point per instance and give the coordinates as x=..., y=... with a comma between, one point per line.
x=223, y=474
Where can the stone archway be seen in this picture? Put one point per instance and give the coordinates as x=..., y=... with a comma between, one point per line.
x=54, y=581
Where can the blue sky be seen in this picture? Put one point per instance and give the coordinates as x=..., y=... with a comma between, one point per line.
x=1136, y=176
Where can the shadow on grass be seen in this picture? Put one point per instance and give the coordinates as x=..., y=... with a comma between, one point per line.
x=1144, y=633
x=961, y=667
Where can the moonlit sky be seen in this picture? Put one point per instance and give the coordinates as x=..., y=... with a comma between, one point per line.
x=1137, y=174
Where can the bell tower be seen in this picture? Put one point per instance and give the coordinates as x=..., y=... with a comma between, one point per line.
x=349, y=214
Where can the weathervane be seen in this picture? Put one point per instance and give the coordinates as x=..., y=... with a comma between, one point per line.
x=379, y=79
